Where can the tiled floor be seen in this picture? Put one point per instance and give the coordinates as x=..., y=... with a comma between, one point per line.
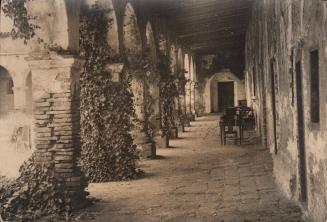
x=198, y=180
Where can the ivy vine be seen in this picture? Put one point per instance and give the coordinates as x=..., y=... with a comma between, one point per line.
x=108, y=152
x=23, y=28
x=168, y=94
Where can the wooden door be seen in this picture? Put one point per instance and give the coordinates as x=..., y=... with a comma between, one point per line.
x=225, y=95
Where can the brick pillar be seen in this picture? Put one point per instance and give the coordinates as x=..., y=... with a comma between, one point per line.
x=57, y=120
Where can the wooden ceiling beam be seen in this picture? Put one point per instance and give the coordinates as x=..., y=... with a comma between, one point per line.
x=215, y=45
x=209, y=20
x=217, y=25
x=186, y=14
x=216, y=39
x=195, y=6
x=223, y=31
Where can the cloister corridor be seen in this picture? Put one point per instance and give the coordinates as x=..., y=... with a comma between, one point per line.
x=197, y=179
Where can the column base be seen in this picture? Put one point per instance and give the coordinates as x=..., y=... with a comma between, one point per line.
x=162, y=141
x=173, y=133
x=181, y=128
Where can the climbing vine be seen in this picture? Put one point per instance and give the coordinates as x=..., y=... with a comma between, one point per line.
x=23, y=28
x=35, y=194
x=108, y=152
x=168, y=93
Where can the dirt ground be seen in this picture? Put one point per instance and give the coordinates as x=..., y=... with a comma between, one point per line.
x=197, y=179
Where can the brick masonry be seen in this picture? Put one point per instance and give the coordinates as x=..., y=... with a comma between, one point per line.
x=56, y=121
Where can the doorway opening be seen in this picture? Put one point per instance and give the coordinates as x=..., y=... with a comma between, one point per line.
x=225, y=95
x=301, y=133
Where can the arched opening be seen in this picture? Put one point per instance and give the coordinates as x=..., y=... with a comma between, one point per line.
x=15, y=126
x=131, y=37
x=151, y=44
x=173, y=59
x=187, y=86
x=187, y=66
x=6, y=93
x=112, y=34
x=223, y=89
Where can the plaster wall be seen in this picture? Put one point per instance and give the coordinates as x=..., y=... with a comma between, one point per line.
x=281, y=34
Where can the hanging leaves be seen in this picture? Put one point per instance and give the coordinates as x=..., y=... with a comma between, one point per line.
x=35, y=194
x=108, y=152
x=17, y=12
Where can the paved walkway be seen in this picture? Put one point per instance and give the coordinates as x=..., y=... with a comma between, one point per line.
x=198, y=180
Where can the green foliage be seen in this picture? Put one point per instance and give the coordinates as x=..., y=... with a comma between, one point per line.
x=16, y=11
x=108, y=152
x=34, y=194
x=168, y=94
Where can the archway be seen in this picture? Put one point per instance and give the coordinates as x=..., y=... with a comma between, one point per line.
x=152, y=92
x=132, y=37
x=112, y=34
x=6, y=93
x=188, y=84
x=15, y=129
x=212, y=94
x=133, y=52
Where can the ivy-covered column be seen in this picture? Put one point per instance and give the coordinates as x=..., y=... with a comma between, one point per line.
x=56, y=113
x=182, y=96
x=152, y=108
x=188, y=99
x=141, y=134
x=193, y=98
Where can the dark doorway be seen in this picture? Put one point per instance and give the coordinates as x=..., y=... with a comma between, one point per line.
x=273, y=101
x=225, y=95
x=301, y=141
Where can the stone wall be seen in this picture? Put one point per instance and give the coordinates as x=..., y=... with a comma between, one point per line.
x=282, y=33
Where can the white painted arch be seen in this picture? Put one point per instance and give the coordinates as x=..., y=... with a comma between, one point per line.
x=211, y=89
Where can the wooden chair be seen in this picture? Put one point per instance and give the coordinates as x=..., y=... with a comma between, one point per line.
x=227, y=131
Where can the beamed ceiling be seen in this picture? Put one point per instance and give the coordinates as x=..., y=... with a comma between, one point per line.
x=209, y=26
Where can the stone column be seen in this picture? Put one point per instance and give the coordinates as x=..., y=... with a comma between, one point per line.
x=143, y=141
x=193, y=98
x=154, y=117
x=188, y=99
x=56, y=114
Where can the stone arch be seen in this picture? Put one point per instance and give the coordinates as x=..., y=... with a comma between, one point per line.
x=59, y=22
x=7, y=104
x=211, y=89
x=131, y=35
x=151, y=43
x=191, y=69
x=187, y=66
x=112, y=34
